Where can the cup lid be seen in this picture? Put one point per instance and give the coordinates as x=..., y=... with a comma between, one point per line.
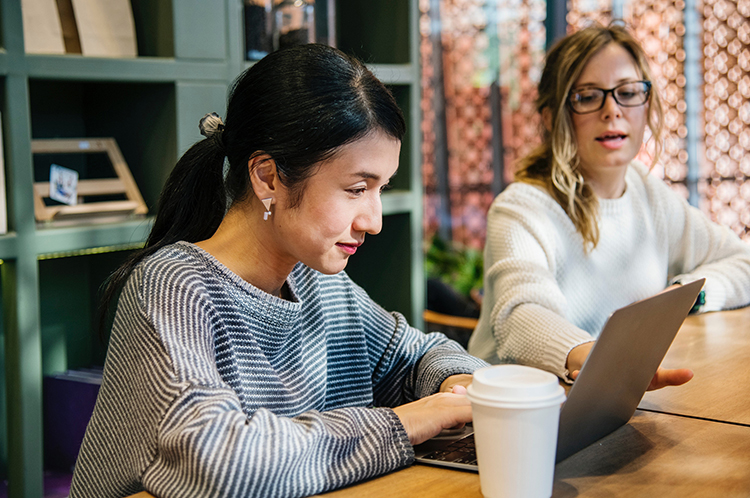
x=515, y=384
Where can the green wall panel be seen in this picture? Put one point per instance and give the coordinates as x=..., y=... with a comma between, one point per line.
x=200, y=29
x=195, y=100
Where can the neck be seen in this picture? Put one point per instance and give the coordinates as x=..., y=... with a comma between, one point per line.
x=608, y=184
x=244, y=244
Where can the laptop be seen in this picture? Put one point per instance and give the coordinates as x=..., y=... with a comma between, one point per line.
x=610, y=385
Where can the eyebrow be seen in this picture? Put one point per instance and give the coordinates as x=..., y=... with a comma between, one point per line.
x=367, y=175
x=618, y=82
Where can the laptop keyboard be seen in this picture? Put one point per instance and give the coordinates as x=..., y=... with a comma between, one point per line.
x=459, y=451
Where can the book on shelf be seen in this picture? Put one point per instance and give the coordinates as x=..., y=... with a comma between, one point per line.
x=105, y=27
x=95, y=28
x=42, y=31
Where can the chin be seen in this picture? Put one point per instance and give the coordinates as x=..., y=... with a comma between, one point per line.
x=330, y=268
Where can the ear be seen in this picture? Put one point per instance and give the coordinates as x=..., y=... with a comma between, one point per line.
x=264, y=176
x=547, y=119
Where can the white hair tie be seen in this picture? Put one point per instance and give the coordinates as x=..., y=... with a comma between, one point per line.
x=210, y=124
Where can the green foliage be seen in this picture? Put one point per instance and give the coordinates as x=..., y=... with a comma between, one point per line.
x=460, y=267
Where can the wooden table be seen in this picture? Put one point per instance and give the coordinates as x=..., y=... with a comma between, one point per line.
x=654, y=455
x=716, y=346
x=671, y=450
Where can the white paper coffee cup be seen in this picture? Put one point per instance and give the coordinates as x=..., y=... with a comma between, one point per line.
x=516, y=411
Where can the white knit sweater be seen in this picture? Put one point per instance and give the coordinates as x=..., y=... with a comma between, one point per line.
x=545, y=295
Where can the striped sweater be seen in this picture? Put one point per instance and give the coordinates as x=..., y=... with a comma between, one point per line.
x=213, y=387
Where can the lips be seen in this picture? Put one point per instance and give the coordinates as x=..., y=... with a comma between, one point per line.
x=611, y=136
x=612, y=139
x=349, y=248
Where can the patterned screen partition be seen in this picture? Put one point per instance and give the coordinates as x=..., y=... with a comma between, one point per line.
x=503, y=41
x=486, y=46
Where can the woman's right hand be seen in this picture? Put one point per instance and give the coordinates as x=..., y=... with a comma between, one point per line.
x=426, y=417
x=577, y=357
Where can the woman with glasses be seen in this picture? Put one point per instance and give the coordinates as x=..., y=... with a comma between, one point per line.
x=585, y=229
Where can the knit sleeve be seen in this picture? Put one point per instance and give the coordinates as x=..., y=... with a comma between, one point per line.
x=700, y=248
x=527, y=309
x=208, y=447
x=407, y=364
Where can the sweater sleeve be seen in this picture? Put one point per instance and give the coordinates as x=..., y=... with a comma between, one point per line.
x=407, y=364
x=208, y=447
x=527, y=318
x=700, y=248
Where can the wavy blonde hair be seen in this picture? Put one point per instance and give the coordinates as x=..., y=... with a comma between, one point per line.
x=554, y=165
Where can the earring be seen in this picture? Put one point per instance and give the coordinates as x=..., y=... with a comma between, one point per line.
x=267, y=203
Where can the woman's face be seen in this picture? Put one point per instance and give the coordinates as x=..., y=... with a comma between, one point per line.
x=340, y=204
x=609, y=139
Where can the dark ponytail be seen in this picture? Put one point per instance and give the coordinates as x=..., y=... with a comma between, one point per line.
x=298, y=106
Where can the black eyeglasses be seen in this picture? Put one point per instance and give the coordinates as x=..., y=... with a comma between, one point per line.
x=630, y=94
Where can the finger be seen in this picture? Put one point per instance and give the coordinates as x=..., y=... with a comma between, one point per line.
x=461, y=390
x=670, y=377
x=574, y=374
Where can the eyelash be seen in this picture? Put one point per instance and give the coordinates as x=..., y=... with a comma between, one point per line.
x=359, y=191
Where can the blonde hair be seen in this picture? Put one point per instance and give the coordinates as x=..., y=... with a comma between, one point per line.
x=554, y=165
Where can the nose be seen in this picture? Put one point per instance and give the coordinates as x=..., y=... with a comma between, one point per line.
x=611, y=108
x=370, y=218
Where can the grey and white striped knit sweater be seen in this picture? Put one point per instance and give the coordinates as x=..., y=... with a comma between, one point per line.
x=214, y=388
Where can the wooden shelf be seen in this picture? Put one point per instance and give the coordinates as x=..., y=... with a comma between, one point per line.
x=68, y=241
x=394, y=74
x=141, y=69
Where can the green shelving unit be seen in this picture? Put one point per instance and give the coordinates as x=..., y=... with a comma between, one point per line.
x=189, y=52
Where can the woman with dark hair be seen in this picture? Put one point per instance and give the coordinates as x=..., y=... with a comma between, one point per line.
x=585, y=229
x=242, y=359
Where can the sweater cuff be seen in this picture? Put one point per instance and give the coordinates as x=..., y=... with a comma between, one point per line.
x=400, y=437
x=441, y=362
x=714, y=295
x=559, y=347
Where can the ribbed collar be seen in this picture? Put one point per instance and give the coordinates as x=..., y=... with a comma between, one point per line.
x=279, y=315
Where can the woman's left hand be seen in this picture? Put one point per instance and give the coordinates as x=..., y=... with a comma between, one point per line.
x=670, y=377
x=663, y=377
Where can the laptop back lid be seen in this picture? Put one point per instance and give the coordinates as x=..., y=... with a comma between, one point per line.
x=620, y=367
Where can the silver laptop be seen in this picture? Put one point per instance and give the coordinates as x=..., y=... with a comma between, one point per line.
x=609, y=387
